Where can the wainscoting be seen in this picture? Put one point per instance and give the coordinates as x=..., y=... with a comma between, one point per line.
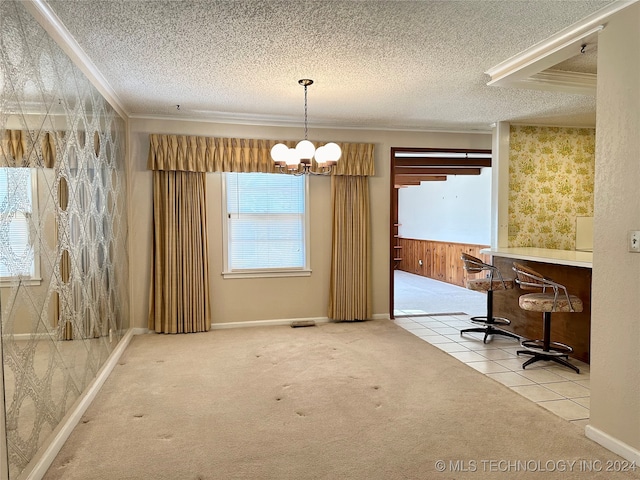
x=440, y=260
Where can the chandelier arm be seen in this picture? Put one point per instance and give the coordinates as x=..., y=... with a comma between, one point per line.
x=303, y=155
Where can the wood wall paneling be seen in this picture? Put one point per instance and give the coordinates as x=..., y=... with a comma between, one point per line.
x=440, y=260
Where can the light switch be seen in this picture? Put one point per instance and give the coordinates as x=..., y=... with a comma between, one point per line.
x=634, y=241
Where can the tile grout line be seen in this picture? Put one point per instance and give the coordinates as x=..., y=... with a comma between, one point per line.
x=458, y=323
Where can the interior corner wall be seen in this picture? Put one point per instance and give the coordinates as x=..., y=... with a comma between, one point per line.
x=248, y=300
x=615, y=321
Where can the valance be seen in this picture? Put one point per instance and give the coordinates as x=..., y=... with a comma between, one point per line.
x=13, y=145
x=19, y=149
x=209, y=154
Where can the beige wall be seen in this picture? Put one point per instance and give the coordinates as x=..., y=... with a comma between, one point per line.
x=615, y=341
x=242, y=300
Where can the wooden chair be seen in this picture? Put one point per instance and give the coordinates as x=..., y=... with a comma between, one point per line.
x=550, y=297
x=487, y=285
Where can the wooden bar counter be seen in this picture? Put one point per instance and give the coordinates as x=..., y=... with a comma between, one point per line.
x=569, y=268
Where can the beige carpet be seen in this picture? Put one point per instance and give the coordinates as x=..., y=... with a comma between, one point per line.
x=337, y=401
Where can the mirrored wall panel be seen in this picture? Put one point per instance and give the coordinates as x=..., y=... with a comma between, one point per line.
x=63, y=233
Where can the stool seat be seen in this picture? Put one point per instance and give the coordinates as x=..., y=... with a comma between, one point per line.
x=547, y=302
x=550, y=297
x=486, y=284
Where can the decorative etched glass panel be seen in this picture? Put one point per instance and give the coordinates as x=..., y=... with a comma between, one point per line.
x=57, y=332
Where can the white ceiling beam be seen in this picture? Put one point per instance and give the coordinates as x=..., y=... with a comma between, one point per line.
x=521, y=70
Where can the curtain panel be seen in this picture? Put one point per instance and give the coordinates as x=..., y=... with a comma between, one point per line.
x=210, y=154
x=179, y=293
x=350, y=284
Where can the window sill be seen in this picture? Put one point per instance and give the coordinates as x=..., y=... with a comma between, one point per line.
x=14, y=282
x=267, y=273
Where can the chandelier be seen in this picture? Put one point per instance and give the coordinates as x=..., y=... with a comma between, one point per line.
x=325, y=156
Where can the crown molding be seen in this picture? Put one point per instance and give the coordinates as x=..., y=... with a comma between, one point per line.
x=541, y=57
x=560, y=80
x=265, y=121
x=52, y=24
x=525, y=69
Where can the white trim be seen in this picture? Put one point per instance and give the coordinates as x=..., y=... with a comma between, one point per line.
x=266, y=121
x=562, y=81
x=565, y=44
x=227, y=272
x=141, y=331
x=41, y=463
x=544, y=55
x=286, y=321
x=268, y=323
x=610, y=443
x=500, y=185
x=52, y=24
x=304, y=272
x=29, y=336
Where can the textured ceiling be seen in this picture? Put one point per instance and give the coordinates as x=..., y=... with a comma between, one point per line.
x=415, y=65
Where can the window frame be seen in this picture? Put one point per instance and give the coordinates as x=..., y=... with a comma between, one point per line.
x=227, y=272
x=35, y=279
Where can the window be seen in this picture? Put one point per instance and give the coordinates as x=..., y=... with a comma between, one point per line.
x=18, y=248
x=266, y=228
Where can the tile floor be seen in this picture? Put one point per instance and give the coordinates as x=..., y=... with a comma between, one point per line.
x=550, y=385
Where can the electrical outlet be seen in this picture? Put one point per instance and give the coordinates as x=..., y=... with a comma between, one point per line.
x=634, y=241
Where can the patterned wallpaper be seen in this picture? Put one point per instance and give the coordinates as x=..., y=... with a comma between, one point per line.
x=551, y=178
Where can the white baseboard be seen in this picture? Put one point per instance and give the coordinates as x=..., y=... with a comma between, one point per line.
x=31, y=336
x=41, y=464
x=284, y=321
x=610, y=443
x=267, y=323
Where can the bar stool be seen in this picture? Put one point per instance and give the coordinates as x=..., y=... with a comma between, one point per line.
x=488, y=285
x=547, y=303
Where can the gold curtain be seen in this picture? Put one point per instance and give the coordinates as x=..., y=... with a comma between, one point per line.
x=13, y=145
x=210, y=154
x=350, y=297
x=49, y=150
x=66, y=331
x=179, y=294
x=350, y=285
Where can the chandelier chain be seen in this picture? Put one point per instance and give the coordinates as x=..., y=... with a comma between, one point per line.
x=299, y=160
x=305, y=112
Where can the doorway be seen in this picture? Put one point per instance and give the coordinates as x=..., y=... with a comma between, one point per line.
x=429, y=269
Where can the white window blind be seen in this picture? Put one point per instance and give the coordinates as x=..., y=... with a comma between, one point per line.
x=266, y=224
x=16, y=208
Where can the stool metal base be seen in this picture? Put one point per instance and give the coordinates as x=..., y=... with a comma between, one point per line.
x=544, y=350
x=490, y=322
x=490, y=327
